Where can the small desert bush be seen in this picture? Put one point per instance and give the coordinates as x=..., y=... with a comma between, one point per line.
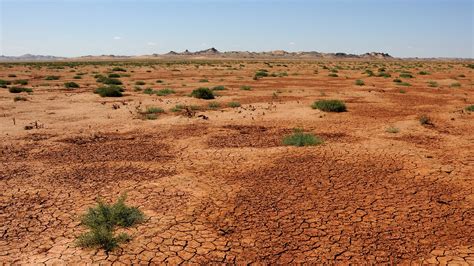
x=423, y=73
x=406, y=75
x=11, y=75
x=425, y=120
x=110, y=91
x=234, y=104
x=19, y=98
x=140, y=82
x=359, y=82
x=329, y=105
x=404, y=84
x=245, y=88
x=159, y=81
x=470, y=108
x=164, y=92
x=455, y=85
x=383, y=74
x=19, y=89
x=260, y=74
x=334, y=75
x=214, y=105
x=177, y=108
x=52, y=78
x=102, y=221
x=114, y=75
x=119, y=69
x=392, y=130
x=4, y=83
x=397, y=80
x=203, y=93
x=154, y=110
x=20, y=81
x=219, y=88
x=112, y=81
x=432, y=84
x=71, y=85
x=300, y=139
x=203, y=80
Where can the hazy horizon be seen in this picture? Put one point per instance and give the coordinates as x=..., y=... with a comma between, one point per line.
x=401, y=28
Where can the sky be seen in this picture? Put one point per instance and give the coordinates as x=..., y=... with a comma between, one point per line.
x=402, y=28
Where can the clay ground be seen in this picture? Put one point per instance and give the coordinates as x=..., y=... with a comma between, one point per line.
x=226, y=189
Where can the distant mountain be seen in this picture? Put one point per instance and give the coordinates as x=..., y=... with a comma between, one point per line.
x=213, y=53
x=30, y=57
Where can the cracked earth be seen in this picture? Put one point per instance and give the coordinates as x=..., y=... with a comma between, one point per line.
x=225, y=189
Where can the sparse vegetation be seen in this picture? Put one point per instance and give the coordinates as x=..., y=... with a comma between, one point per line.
x=203, y=93
x=392, y=130
x=300, y=139
x=19, y=89
x=425, y=120
x=214, y=105
x=139, y=82
x=52, y=78
x=455, y=85
x=110, y=91
x=119, y=69
x=19, y=98
x=334, y=75
x=470, y=108
x=102, y=221
x=329, y=105
x=234, y=104
x=245, y=88
x=21, y=82
x=4, y=83
x=406, y=75
x=71, y=85
x=219, y=88
x=432, y=84
x=359, y=82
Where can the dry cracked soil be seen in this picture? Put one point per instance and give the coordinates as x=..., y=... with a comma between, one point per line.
x=216, y=183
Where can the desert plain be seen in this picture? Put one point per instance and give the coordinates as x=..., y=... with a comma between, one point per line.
x=392, y=181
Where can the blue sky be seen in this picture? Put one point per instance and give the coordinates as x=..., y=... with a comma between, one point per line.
x=404, y=28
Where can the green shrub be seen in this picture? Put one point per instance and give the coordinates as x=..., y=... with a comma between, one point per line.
x=114, y=75
x=177, y=108
x=425, y=120
x=112, y=81
x=110, y=91
x=119, y=69
x=260, y=74
x=470, y=108
x=20, y=81
x=359, y=82
x=52, y=78
x=234, y=104
x=245, y=88
x=4, y=83
x=77, y=77
x=203, y=80
x=392, y=130
x=203, y=93
x=404, y=84
x=71, y=85
x=432, y=84
x=219, y=88
x=406, y=75
x=102, y=221
x=19, y=98
x=164, y=92
x=329, y=105
x=455, y=85
x=154, y=110
x=300, y=139
x=214, y=105
x=18, y=90
x=423, y=73
x=383, y=74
